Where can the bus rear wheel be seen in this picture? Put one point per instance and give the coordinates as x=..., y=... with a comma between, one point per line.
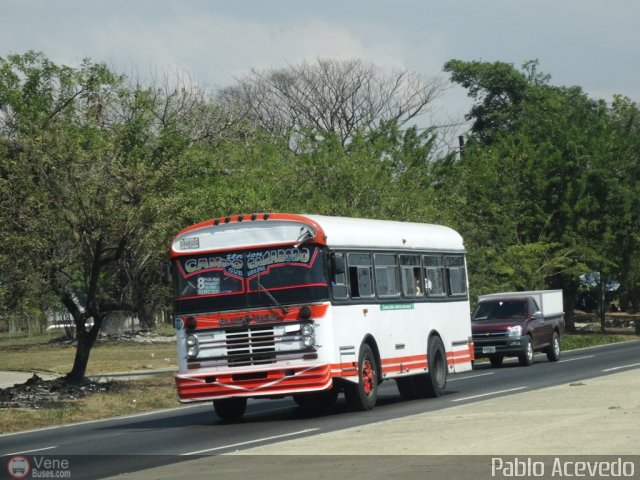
x=432, y=384
x=363, y=395
x=230, y=409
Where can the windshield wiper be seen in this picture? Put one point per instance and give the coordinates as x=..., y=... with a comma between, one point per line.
x=305, y=236
x=271, y=297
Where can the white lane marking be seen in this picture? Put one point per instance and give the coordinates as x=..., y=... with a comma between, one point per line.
x=471, y=376
x=621, y=367
x=577, y=358
x=488, y=394
x=29, y=451
x=301, y=432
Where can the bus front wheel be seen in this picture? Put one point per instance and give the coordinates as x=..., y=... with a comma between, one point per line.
x=363, y=395
x=230, y=409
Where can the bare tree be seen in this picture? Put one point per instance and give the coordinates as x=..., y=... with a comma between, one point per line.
x=331, y=97
x=175, y=100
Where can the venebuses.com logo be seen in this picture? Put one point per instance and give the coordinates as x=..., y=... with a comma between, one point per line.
x=38, y=467
x=18, y=467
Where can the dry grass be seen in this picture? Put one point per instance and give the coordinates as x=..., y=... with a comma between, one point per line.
x=150, y=393
x=40, y=353
x=44, y=353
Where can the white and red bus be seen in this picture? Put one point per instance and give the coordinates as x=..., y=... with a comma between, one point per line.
x=269, y=305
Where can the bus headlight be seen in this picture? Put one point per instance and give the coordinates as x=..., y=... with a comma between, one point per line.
x=307, y=330
x=308, y=335
x=192, y=352
x=192, y=346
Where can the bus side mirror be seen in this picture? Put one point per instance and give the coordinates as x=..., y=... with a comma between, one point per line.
x=165, y=273
x=337, y=264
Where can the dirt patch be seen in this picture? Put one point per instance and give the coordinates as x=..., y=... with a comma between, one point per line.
x=39, y=393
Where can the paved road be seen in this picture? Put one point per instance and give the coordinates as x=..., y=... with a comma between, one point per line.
x=552, y=408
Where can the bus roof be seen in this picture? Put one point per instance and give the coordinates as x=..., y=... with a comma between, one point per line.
x=275, y=229
x=359, y=232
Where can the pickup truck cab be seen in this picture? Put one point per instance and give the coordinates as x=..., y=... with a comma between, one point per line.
x=516, y=324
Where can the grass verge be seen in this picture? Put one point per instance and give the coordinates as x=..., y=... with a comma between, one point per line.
x=128, y=397
x=44, y=353
x=572, y=341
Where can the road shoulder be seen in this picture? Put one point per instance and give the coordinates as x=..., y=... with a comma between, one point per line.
x=597, y=416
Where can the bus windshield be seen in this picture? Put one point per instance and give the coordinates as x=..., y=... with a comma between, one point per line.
x=238, y=279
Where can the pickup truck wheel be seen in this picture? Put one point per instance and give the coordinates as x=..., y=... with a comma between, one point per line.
x=553, y=350
x=230, y=409
x=496, y=360
x=363, y=395
x=526, y=358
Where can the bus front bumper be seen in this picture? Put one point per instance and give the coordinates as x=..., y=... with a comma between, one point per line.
x=196, y=387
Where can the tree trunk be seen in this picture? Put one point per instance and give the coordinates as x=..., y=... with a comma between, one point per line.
x=86, y=340
x=569, y=288
x=601, y=305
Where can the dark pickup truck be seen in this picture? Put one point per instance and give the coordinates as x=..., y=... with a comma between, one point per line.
x=516, y=324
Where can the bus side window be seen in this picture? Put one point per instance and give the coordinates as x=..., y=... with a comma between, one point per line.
x=456, y=274
x=434, y=275
x=339, y=285
x=360, y=278
x=412, y=282
x=386, y=275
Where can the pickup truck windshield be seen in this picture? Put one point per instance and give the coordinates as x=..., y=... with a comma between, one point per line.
x=503, y=309
x=234, y=280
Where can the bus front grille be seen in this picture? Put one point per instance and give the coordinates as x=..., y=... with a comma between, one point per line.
x=250, y=346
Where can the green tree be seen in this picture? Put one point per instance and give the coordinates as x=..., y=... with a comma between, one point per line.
x=382, y=173
x=625, y=141
x=87, y=163
x=542, y=158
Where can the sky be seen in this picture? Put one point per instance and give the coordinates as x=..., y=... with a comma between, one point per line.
x=594, y=44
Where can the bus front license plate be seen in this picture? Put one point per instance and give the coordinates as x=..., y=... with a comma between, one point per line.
x=488, y=349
